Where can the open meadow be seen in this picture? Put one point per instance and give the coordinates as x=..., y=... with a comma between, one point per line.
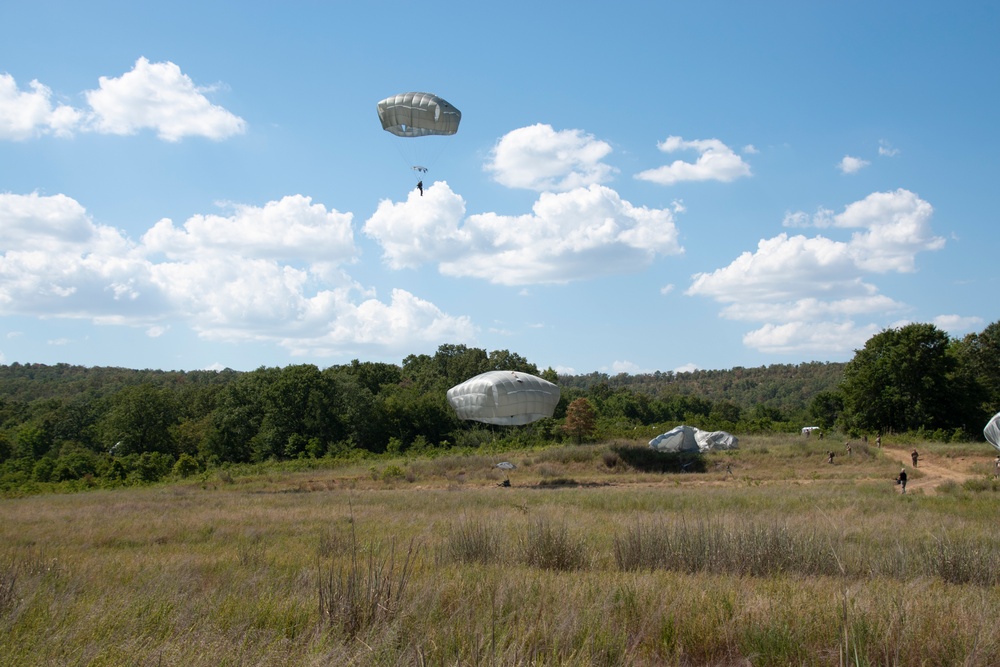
x=765, y=555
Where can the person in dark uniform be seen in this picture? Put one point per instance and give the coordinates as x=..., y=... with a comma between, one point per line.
x=902, y=479
x=420, y=186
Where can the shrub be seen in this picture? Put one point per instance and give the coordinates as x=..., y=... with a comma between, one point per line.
x=472, y=541
x=186, y=466
x=75, y=464
x=43, y=468
x=392, y=472
x=568, y=454
x=551, y=547
x=152, y=466
x=611, y=459
x=116, y=471
x=361, y=596
x=713, y=546
x=982, y=484
x=964, y=561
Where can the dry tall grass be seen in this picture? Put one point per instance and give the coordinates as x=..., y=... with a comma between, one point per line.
x=771, y=557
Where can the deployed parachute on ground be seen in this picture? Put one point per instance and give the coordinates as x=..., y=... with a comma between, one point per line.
x=992, y=431
x=414, y=116
x=690, y=439
x=678, y=439
x=504, y=397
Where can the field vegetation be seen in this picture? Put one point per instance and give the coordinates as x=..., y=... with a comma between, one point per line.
x=346, y=516
x=597, y=554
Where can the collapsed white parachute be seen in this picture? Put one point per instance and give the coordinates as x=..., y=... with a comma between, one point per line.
x=690, y=439
x=504, y=397
x=992, y=431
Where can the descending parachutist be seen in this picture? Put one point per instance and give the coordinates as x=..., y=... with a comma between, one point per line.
x=415, y=117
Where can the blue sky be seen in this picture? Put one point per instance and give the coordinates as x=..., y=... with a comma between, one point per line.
x=635, y=186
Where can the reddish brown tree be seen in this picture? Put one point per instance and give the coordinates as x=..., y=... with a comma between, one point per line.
x=581, y=421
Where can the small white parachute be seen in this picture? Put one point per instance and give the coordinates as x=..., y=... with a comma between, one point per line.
x=504, y=397
x=992, y=431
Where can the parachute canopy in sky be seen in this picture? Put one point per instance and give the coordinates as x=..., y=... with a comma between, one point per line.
x=418, y=115
x=992, y=431
x=504, y=397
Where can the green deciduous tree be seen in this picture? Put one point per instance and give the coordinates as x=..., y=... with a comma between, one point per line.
x=825, y=408
x=901, y=381
x=140, y=419
x=299, y=403
x=979, y=357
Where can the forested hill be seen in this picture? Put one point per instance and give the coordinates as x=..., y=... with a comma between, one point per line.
x=31, y=382
x=785, y=387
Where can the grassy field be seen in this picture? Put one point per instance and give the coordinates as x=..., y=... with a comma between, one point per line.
x=768, y=555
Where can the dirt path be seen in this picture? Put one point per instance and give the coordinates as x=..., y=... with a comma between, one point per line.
x=935, y=469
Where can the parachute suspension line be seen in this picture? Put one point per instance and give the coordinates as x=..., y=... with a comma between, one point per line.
x=408, y=155
x=432, y=155
x=417, y=157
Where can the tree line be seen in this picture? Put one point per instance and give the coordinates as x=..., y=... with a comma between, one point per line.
x=79, y=426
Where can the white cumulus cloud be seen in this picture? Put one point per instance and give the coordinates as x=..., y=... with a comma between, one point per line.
x=957, y=324
x=290, y=228
x=716, y=162
x=27, y=114
x=153, y=96
x=894, y=227
x=809, y=292
x=852, y=165
x=420, y=229
x=270, y=274
x=568, y=236
x=808, y=337
x=542, y=159
x=629, y=367
x=160, y=97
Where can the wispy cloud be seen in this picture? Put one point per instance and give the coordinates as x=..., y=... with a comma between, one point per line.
x=886, y=150
x=716, y=162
